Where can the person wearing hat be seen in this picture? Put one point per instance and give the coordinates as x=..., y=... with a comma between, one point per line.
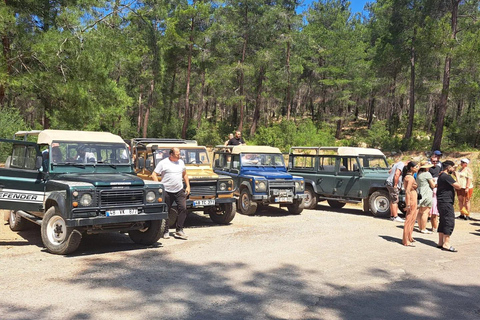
x=425, y=184
x=446, y=186
x=465, y=179
x=437, y=154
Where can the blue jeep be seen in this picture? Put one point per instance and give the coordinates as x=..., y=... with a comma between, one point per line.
x=260, y=177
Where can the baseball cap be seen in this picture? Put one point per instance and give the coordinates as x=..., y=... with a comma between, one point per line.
x=464, y=160
x=437, y=152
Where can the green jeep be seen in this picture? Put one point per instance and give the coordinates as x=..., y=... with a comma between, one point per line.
x=75, y=182
x=343, y=175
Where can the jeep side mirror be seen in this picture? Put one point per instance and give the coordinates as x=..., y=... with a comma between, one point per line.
x=38, y=162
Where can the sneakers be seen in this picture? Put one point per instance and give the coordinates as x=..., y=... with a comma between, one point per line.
x=166, y=235
x=464, y=211
x=426, y=231
x=397, y=219
x=179, y=234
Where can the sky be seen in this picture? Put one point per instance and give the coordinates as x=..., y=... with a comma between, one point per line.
x=355, y=5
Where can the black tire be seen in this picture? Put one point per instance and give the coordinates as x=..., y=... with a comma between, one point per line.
x=16, y=222
x=336, y=204
x=379, y=203
x=311, y=200
x=296, y=207
x=56, y=236
x=152, y=232
x=245, y=203
x=172, y=217
x=225, y=215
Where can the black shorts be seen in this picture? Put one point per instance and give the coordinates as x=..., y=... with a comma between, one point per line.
x=447, y=218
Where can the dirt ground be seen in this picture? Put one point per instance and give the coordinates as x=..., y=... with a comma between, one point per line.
x=322, y=264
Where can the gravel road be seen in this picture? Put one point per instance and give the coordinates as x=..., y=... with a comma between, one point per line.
x=322, y=264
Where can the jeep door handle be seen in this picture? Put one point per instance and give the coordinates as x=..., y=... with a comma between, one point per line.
x=319, y=180
x=339, y=183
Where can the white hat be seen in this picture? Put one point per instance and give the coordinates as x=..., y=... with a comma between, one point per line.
x=464, y=160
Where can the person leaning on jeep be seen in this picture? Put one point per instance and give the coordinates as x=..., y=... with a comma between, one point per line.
x=172, y=170
x=394, y=184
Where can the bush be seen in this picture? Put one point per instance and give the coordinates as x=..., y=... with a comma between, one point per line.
x=208, y=135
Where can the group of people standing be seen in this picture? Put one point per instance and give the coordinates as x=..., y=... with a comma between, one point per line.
x=430, y=192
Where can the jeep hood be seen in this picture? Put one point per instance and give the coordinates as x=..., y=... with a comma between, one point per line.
x=103, y=179
x=200, y=172
x=268, y=174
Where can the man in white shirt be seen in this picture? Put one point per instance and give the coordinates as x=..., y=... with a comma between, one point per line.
x=172, y=172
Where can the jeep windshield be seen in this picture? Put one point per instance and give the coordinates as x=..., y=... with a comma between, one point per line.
x=64, y=153
x=373, y=162
x=189, y=156
x=262, y=159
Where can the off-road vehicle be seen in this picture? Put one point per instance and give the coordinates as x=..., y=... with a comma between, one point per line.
x=260, y=177
x=82, y=182
x=343, y=175
x=209, y=192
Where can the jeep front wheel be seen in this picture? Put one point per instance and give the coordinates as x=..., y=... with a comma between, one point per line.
x=56, y=236
x=152, y=232
x=311, y=199
x=246, y=204
x=225, y=215
x=379, y=203
x=16, y=222
x=296, y=207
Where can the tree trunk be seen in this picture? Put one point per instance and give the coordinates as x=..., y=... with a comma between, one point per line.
x=187, y=92
x=140, y=110
x=258, y=101
x=442, y=106
x=242, y=74
x=289, y=103
x=201, y=103
x=411, y=111
x=149, y=107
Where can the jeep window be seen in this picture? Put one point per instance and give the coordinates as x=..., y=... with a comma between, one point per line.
x=189, y=156
x=348, y=165
x=304, y=163
x=326, y=164
x=262, y=159
x=373, y=162
x=23, y=157
x=65, y=152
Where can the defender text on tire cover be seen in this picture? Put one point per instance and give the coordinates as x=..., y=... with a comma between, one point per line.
x=74, y=182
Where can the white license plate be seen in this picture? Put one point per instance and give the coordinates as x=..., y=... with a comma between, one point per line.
x=121, y=212
x=201, y=203
x=283, y=199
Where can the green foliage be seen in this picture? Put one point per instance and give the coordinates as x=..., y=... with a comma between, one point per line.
x=287, y=134
x=208, y=135
x=11, y=121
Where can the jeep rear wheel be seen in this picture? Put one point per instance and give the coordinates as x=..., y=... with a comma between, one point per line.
x=172, y=217
x=152, y=232
x=311, y=199
x=245, y=203
x=56, y=236
x=379, y=203
x=296, y=207
x=225, y=215
x=336, y=204
x=16, y=222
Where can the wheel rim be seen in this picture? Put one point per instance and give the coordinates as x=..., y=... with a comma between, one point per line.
x=12, y=217
x=381, y=203
x=308, y=198
x=245, y=201
x=56, y=230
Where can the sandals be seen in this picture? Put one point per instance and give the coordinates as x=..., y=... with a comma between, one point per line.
x=451, y=249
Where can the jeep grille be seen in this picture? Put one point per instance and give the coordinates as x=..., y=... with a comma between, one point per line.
x=277, y=184
x=203, y=189
x=121, y=197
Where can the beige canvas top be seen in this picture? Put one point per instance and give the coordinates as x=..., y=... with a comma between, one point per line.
x=188, y=145
x=47, y=136
x=253, y=149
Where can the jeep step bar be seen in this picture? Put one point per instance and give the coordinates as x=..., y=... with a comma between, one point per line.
x=340, y=200
x=29, y=217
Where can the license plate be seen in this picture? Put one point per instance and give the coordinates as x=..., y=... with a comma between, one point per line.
x=201, y=203
x=121, y=212
x=283, y=199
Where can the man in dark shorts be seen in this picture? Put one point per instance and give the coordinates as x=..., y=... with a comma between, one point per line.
x=445, y=198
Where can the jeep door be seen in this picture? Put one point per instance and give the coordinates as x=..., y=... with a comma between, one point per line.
x=21, y=184
x=326, y=175
x=228, y=164
x=347, y=182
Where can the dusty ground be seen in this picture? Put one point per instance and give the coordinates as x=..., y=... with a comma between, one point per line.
x=322, y=264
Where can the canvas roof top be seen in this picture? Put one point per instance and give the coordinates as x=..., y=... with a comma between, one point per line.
x=343, y=151
x=250, y=149
x=47, y=136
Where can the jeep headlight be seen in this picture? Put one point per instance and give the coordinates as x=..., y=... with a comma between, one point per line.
x=260, y=186
x=150, y=197
x=299, y=185
x=223, y=186
x=86, y=200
